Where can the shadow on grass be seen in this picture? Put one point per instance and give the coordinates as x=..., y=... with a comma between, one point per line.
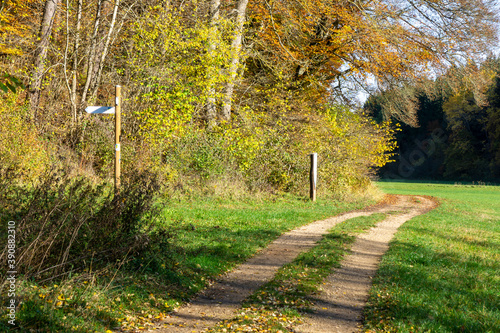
x=184, y=258
x=168, y=268
x=35, y=317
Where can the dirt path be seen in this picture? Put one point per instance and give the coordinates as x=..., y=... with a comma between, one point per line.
x=223, y=298
x=339, y=306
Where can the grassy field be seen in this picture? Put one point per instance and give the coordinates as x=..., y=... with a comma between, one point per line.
x=442, y=272
x=440, y=275
x=193, y=242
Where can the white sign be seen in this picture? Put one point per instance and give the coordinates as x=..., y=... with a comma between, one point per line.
x=100, y=109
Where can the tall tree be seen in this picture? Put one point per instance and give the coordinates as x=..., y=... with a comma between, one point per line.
x=337, y=47
x=99, y=48
x=86, y=55
x=241, y=9
x=49, y=14
x=74, y=65
x=214, y=16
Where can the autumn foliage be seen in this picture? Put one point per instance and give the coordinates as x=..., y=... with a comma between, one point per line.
x=220, y=98
x=217, y=91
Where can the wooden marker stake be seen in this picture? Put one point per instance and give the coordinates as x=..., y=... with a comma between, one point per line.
x=118, y=107
x=313, y=176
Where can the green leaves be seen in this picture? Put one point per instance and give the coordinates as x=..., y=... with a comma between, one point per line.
x=10, y=83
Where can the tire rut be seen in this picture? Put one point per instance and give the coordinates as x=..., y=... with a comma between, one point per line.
x=339, y=306
x=222, y=299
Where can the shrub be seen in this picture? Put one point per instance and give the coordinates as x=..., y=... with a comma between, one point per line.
x=23, y=153
x=63, y=221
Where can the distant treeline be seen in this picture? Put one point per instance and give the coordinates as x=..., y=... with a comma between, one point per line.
x=456, y=135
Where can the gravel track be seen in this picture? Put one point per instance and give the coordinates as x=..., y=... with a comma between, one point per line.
x=339, y=305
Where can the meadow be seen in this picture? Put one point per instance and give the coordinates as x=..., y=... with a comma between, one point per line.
x=441, y=273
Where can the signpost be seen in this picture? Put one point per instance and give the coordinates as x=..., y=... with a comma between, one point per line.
x=100, y=110
x=118, y=131
x=116, y=110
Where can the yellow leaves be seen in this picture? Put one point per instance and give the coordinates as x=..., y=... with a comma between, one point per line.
x=21, y=148
x=174, y=68
x=5, y=49
x=63, y=298
x=348, y=144
x=242, y=143
x=15, y=18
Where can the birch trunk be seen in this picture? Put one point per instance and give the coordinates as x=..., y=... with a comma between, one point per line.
x=104, y=52
x=49, y=13
x=211, y=112
x=235, y=58
x=95, y=47
x=74, y=68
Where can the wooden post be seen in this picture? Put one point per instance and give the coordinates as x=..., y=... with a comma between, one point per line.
x=313, y=176
x=118, y=106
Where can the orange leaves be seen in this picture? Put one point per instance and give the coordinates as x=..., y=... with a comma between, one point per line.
x=300, y=32
x=323, y=41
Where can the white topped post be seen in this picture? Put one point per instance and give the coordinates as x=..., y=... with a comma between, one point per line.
x=313, y=176
x=118, y=109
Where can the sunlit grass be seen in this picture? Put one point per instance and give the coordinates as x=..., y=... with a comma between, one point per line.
x=441, y=273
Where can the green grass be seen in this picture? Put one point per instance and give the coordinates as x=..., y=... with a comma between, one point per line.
x=441, y=273
x=193, y=242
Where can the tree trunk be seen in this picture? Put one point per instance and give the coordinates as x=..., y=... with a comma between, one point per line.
x=235, y=59
x=49, y=13
x=104, y=51
x=96, y=48
x=211, y=111
x=74, y=67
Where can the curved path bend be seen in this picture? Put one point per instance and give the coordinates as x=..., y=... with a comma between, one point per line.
x=339, y=305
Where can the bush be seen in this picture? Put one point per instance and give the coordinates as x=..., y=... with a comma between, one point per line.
x=274, y=158
x=64, y=221
x=23, y=153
